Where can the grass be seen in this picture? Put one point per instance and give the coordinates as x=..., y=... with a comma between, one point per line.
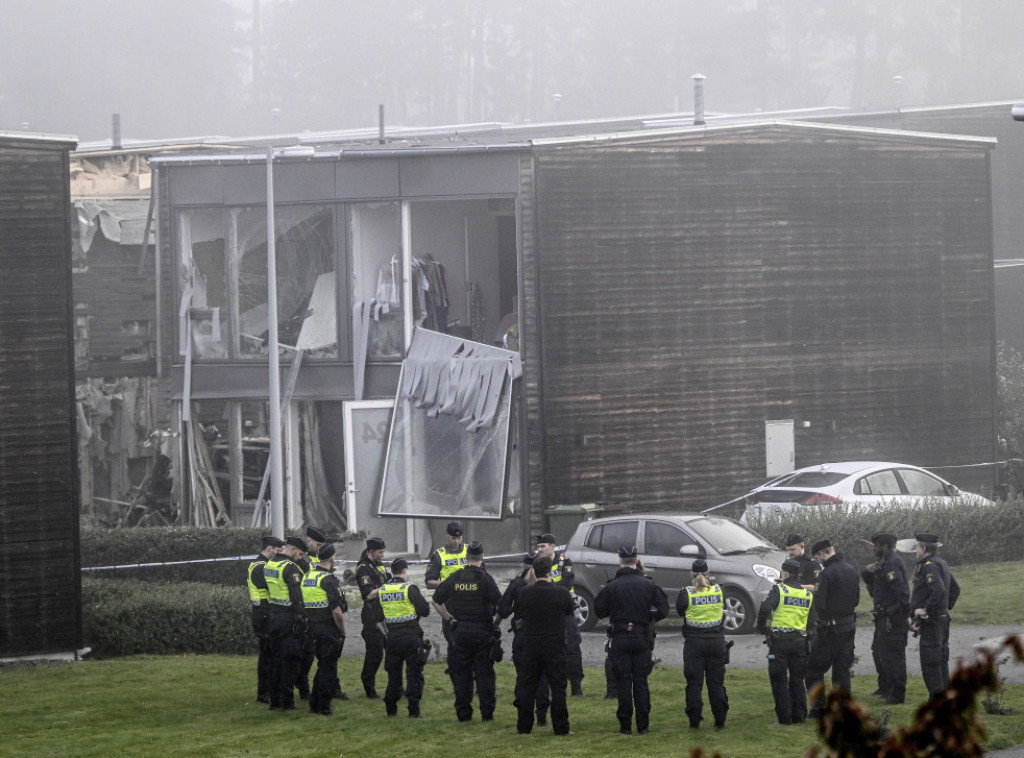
x=203, y=707
x=989, y=595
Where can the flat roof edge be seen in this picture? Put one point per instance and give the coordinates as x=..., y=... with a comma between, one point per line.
x=698, y=131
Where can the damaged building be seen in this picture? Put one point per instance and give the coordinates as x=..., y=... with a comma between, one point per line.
x=490, y=322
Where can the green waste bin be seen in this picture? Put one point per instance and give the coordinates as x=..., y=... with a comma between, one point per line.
x=563, y=519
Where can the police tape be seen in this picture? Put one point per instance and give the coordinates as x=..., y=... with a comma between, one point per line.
x=411, y=562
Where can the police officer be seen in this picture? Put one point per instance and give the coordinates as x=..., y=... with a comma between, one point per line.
x=562, y=574
x=325, y=609
x=934, y=595
x=287, y=624
x=785, y=617
x=702, y=608
x=259, y=596
x=886, y=582
x=469, y=599
x=370, y=575
x=809, y=568
x=444, y=562
x=314, y=539
x=403, y=606
x=542, y=608
x=632, y=603
x=835, y=600
x=509, y=606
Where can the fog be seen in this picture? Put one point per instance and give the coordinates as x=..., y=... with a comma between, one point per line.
x=248, y=67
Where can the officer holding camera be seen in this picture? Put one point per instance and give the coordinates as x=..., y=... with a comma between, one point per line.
x=404, y=606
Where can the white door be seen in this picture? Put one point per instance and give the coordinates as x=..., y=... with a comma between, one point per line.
x=367, y=423
x=779, y=447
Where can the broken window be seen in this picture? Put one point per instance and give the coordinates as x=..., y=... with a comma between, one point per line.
x=449, y=444
x=463, y=268
x=223, y=279
x=375, y=248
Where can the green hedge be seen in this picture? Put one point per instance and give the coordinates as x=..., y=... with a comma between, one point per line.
x=132, y=617
x=166, y=544
x=969, y=533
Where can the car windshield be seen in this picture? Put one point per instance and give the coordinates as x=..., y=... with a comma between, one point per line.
x=729, y=538
x=815, y=479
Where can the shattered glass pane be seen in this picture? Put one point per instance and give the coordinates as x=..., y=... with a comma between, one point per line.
x=437, y=468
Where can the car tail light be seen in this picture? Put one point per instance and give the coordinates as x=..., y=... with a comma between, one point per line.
x=818, y=498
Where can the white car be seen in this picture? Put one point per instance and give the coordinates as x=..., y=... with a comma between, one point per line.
x=861, y=483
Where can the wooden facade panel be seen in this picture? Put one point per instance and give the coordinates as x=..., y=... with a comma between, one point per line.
x=39, y=569
x=691, y=291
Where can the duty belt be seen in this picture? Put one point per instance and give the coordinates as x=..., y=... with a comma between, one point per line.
x=703, y=624
x=624, y=627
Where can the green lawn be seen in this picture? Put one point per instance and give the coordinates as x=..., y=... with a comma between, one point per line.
x=203, y=706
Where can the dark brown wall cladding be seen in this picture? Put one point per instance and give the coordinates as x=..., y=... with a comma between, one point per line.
x=693, y=288
x=39, y=566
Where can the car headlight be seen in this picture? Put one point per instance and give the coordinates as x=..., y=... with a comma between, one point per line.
x=766, y=572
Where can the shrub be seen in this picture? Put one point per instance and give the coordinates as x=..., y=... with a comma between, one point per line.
x=133, y=617
x=169, y=544
x=969, y=533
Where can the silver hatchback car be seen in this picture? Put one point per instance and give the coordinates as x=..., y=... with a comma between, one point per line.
x=742, y=561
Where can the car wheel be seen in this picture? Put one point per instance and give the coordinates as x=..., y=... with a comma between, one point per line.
x=585, y=617
x=739, y=613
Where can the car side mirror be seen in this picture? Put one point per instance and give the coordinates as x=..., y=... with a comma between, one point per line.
x=952, y=490
x=692, y=551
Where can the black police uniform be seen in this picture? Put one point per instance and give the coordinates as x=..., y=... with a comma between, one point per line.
x=705, y=656
x=542, y=608
x=809, y=569
x=443, y=562
x=305, y=562
x=632, y=603
x=472, y=596
x=261, y=628
x=370, y=575
x=562, y=574
x=328, y=641
x=787, y=654
x=509, y=606
x=936, y=590
x=286, y=630
x=405, y=648
x=887, y=585
x=836, y=601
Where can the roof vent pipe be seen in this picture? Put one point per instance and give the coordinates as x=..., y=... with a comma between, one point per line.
x=698, y=99
x=380, y=124
x=115, y=136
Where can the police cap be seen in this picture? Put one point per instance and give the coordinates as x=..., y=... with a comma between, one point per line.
x=315, y=534
x=794, y=539
x=699, y=566
x=475, y=548
x=454, y=528
x=399, y=565
x=548, y=538
x=791, y=567
x=375, y=543
x=296, y=542
x=927, y=538
x=820, y=545
x=627, y=551
x=883, y=538
x=325, y=552
x=270, y=540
